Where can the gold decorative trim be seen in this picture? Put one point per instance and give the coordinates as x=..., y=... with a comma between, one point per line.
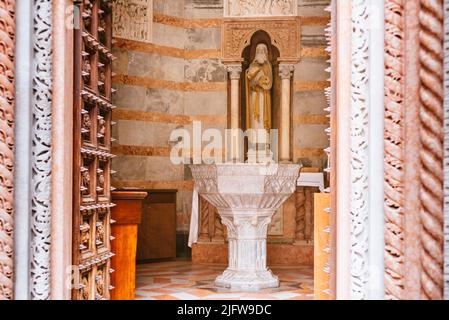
x=315, y=20
x=311, y=119
x=314, y=52
x=309, y=153
x=170, y=85
x=300, y=85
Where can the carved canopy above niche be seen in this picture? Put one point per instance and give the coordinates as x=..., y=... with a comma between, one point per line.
x=285, y=35
x=260, y=8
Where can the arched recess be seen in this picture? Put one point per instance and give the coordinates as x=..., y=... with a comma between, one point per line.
x=248, y=54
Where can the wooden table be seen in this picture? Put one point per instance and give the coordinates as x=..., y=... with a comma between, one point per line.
x=127, y=213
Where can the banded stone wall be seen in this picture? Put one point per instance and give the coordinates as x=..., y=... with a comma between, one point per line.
x=177, y=78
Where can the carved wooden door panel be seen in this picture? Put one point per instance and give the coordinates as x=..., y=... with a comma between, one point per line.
x=92, y=150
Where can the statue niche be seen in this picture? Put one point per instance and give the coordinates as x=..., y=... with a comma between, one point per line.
x=260, y=97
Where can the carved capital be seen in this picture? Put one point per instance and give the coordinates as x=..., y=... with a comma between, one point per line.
x=234, y=71
x=286, y=70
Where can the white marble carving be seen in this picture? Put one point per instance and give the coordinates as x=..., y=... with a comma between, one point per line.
x=133, y=19
x=246, y=197
x=260, y=8
x=359, y=152
x=41, y=151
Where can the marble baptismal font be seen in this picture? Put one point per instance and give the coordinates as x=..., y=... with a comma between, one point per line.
x=246, y=196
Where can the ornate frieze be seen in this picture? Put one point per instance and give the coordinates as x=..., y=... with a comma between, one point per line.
x=284, y=34
x=41, y=151
x=133, y=19
x=359, y=151
x=7, y=102
x=431, y=76
x=260, y=8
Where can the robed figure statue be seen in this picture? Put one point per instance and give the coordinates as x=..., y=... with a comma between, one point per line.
x=259, y=81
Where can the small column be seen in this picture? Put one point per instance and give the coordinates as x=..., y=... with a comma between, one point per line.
x=286, y=72
x=234, y=75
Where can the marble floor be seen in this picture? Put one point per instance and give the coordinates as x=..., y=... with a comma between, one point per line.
x=182, y=280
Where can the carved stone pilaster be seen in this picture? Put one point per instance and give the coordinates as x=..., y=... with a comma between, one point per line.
x=41, y=151
x=7, y=102
x=235, y=71
x=431, y=54
x=446, y=149
x=285, y=72
x=359, y=151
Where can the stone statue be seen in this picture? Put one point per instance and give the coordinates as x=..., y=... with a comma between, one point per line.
x=259, y=81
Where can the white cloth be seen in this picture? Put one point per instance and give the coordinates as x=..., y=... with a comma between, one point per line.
x=193, y=233
x=308, y=179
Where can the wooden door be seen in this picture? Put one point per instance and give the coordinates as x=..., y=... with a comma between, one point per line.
x=92, y=150
x=157, y=230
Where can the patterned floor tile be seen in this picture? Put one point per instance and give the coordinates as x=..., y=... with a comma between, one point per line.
x=182, y=280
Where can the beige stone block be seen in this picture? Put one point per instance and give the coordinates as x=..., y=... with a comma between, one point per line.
x=128, y=96
x=140, y=133
x=202, y=13
x=155, y=66
x=313, y=30
x=167, y=35
x=309, y=102
x=162, y=169
x=312, y=7
x=163, y=100
x=310, y=136
x=134, y=133
x=147, y=169
x=207, y=38
x=170, y=7
x=312, y=69
x=205, y=103
x=120, y=64
x=161, y=133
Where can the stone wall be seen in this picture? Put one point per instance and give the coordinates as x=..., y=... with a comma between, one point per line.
x=177, y=78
